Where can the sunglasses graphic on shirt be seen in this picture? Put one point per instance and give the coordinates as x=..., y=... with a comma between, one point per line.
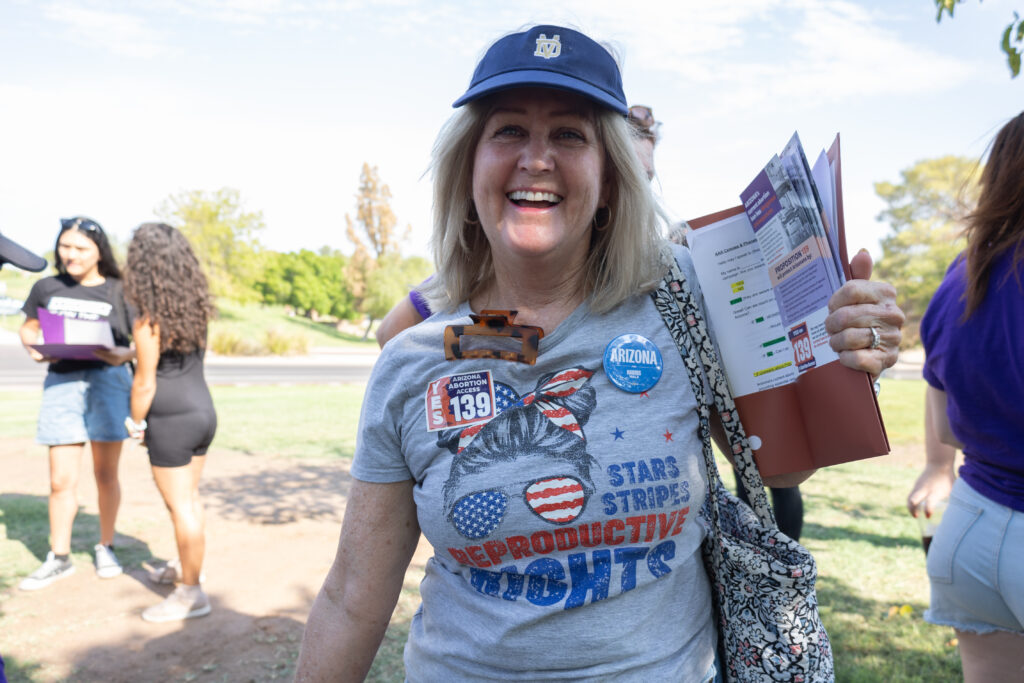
x=556, y=500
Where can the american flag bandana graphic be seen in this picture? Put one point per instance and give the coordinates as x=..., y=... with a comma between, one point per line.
x=478, y=514
x=560, y=385
x=558, y=500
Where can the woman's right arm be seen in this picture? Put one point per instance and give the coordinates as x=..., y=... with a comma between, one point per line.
x=354, y=606
x=402, y=316
x=29, y=333
x=147, y=350
x=936, y=481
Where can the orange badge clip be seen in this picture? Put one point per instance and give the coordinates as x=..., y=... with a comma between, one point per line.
x=493, y=324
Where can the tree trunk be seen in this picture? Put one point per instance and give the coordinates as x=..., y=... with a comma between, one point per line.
x=366, y=335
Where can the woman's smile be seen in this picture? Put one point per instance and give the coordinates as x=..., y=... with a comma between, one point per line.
x=530, y=199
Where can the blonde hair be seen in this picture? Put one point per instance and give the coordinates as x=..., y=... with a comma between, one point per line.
x=623, y=258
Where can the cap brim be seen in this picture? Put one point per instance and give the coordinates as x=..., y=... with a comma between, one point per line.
x=543, y=79
x=15, y=254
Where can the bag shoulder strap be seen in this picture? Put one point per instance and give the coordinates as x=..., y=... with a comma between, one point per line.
x=675, y=301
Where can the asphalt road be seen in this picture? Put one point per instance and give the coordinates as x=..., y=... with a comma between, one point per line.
x=17, y=369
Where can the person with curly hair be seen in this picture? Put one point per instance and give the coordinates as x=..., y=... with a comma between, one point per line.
x=84, y=398
x=171, y=407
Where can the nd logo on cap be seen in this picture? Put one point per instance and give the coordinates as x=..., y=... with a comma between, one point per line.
x=548, y=48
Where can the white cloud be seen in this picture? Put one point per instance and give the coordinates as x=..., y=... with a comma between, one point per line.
x=121, y=32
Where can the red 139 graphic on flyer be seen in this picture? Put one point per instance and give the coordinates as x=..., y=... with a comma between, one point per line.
x=803, y=353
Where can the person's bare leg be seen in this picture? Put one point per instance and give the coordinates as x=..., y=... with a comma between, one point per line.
x=106, y=455
x=65, y=463
x=997, y=656
x=178, y=486
x=198, y=462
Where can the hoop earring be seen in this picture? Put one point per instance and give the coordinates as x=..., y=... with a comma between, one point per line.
x=472, y=219
x=602, y=218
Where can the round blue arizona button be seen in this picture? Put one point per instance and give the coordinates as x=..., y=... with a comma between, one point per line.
x=632, y=363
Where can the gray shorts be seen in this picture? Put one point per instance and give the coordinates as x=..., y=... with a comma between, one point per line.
x=84, y=405
x=976, y=565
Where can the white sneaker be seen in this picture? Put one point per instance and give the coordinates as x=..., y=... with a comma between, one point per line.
x=107, y=566
x=185, y=602
x=48, y=572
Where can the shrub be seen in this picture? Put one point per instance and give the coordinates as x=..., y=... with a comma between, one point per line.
x=281, y=343
x=229, y=343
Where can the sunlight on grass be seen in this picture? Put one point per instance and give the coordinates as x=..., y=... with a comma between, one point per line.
x=870, y=559
x=301, y=420
x=902, y=404
x=252, y=321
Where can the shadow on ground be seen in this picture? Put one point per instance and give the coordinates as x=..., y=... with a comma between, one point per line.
x=25, y=519
x=280, y=496
x=246, y=648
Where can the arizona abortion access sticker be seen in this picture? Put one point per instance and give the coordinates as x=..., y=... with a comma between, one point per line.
x=460, y=400
x=633, y=363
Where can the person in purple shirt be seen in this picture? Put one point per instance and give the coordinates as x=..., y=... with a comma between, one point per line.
x=973, y=333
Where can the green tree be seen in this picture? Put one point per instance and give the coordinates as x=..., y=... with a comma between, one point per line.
x=1012, y=42
x=390, y=281
x=311, y=282
x=224, y=236
x=374, y=233
x=925, y=212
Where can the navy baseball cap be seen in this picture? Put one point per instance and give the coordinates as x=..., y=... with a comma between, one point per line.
x=14, y=253
x=549, y=57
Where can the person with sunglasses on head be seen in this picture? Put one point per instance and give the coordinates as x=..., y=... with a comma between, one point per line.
x=83, y=400
x=561, y=492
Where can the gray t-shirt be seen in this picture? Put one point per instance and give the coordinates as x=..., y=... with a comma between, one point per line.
x=563, y=510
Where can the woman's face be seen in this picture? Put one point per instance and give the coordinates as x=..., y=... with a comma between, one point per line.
x=79, y=254
x=538, y=177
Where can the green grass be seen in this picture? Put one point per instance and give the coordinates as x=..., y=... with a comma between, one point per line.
x=870, y=561
x=252, y=321
x=18, y=413
x=902, y=404
x=17, y=283
x=872, y=584
x=308, y=421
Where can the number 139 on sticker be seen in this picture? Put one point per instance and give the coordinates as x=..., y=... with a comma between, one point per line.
x=803, y=353
x=460, y=400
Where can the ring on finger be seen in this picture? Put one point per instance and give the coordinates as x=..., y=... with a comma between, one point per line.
x=876, y=338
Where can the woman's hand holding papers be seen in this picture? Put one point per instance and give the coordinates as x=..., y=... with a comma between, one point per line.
x=864, y=321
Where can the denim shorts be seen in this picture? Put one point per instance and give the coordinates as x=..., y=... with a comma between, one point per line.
x=976, y=565
x=84, y=405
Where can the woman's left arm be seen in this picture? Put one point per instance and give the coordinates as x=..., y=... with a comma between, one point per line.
x=859, y=307
x=147, y=349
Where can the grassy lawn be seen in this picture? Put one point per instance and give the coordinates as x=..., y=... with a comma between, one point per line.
x=872, y=584
x=252, y=321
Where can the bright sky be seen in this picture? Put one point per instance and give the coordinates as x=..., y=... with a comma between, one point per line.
x=107, y=107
